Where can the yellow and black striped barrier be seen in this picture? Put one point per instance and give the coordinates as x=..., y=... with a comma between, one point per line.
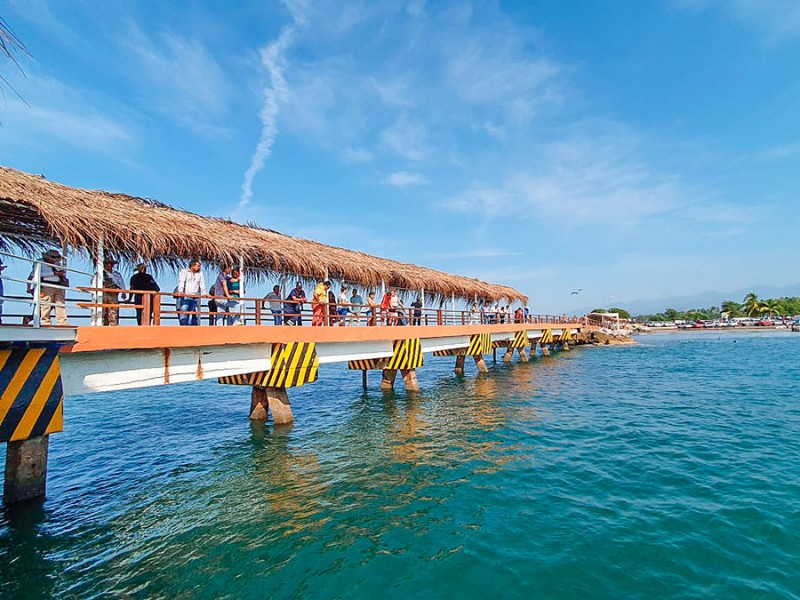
x=32, y=397
x=479, y=344
x=293, y=364
x=406, y=354
x=451, y=352
x=520, y=340
x=566, y=335
x=547, y=337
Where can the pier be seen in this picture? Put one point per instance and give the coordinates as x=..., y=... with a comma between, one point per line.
x=41, y=366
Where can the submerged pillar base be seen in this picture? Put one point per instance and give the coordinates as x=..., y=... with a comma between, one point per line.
x=26, y=470
x=509, y=353
x=459, y=368
x=410, y=379
x=545, y=350
x=387, y=380
x=523, y=355
x=272, y=399
x=565, y=346
x=479, y=362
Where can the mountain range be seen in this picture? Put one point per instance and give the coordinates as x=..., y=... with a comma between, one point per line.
x=702, y=300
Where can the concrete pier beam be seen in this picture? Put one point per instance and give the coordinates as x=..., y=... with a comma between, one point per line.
x=459, y=368
x=387, y=380
x=410, y=379
x=481, y=364
x=26, y=470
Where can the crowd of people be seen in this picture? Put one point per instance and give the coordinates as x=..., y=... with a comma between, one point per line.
x=224, y=299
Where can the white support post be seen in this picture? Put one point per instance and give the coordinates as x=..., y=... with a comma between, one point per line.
x=97, y=312
x=37, y=294
x=242, y=293
x=453, y=305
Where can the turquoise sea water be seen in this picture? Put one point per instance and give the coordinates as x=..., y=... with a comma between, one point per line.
x=669, y=469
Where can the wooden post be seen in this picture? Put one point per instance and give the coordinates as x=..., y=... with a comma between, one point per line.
x=259, y=305
x=147, y=310
x=26, y=470
x=479, y=362
x=387, y=380
x=364, y=378
x=459, y=369
x=157, y=309
x=410, y=379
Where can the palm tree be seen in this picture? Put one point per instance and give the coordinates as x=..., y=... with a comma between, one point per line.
x=10, y=43
x=752, y=305
x=773, y=307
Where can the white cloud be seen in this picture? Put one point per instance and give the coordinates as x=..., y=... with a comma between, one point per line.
x=777, y=19
x=402, y=179
x=184, y=80
x=407, y=138
x=57, y=112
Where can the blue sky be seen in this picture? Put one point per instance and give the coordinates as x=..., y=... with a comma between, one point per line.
x=631, y=149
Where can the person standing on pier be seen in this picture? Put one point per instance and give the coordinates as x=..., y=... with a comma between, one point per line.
x=355, y=307
x=372, y=310
x=143, y=281
x=417, y=306
x=274, y=298
x=190, y=283
x=51, y=297
x=330, y=308
x=318, y=301
x=342, y=310
x=221, y=295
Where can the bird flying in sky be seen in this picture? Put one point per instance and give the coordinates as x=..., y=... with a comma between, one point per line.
x=576, y=292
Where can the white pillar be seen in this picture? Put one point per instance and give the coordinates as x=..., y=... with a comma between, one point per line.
x=242, y=293
x=97, y=316
x=453, y=304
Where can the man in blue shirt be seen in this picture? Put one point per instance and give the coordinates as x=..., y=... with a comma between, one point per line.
x=294, y=305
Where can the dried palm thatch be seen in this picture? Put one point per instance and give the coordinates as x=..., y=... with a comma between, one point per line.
x=35, y=212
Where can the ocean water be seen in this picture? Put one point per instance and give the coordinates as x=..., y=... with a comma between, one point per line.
x=670, y=469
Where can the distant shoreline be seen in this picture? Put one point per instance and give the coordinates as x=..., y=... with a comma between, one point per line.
x=713, y=329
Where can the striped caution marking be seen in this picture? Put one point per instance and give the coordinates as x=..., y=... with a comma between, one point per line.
x=293, y=364
x=520, y=340
x=547, y=337
x=32, y=398
x=451, y=352
x=407, y=355
x=566, y=334
x=369, y=364
x=479, y=344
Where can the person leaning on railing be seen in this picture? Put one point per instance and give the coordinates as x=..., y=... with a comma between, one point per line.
x=142, y=281
x=274, y=299
x=190, y=283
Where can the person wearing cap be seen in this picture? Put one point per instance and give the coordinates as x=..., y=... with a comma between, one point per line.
x=294, y=305
x=52, y=281
x=142, y=281
x=318, y=302
x=112, y=281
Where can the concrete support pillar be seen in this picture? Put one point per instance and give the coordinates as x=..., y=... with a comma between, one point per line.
x=258, y=404
x=482, y=368
x=410, y=379
x=509, y=353
x=26, y=470
x=459, y=369
x=364, y=378
x=387, y=380
x=272, y=399
x=523, y=354
x=545, y=350
x=565, y=346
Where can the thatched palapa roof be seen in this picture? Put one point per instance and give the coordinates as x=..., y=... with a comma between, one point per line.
x=35, y=212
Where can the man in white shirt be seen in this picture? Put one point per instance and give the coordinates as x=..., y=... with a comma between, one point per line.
x=190, y=283
x=51, y=297
x=274, y=298
x=344, y=302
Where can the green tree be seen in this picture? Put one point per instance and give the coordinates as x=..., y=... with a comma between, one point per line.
x=671, y=314
x=752, y=305
x=734, y=309
x=773, y=307
x=600, y=311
